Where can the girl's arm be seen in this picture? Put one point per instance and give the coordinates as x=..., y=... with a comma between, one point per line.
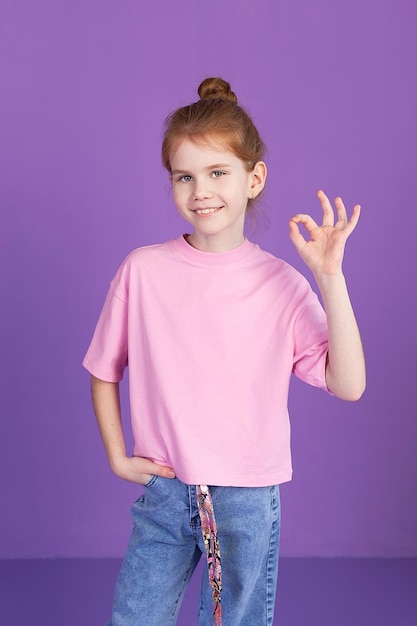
x=323, y=253
x=106, y=402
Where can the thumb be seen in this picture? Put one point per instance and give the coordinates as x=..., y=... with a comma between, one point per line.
x=161, y=470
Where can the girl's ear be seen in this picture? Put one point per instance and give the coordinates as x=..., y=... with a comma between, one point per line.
x=258, y=179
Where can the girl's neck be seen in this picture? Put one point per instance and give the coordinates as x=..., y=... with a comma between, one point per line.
x=214, y=243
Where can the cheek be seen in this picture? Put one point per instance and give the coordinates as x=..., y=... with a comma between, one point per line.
x=179, y=196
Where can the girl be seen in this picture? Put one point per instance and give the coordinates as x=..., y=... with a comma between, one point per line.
x=212, y=328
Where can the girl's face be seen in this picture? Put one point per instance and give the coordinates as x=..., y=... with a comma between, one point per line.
x=211, y=189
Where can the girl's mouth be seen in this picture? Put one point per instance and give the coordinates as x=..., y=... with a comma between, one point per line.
x=209, y=211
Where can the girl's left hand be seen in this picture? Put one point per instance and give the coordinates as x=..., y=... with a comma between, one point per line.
x=323, y=253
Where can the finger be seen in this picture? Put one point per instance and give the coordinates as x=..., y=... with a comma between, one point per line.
x=161, y=470
x=352, y=223
x=341, y=213
x=306, y=220
x=356, y=213
x=328, y=213
x=146, y=466
x=296, y=237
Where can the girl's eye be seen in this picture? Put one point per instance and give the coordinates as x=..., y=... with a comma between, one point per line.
x=217, y=173
x=185, y=179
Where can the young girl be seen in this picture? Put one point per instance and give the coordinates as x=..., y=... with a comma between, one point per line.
x=212, y=327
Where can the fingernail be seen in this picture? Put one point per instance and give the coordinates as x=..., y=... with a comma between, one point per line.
x=171, y=474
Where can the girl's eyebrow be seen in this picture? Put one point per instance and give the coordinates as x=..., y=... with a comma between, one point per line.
x=216, y=166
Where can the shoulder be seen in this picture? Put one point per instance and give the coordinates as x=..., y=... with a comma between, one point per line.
x=278, y=266
x=140, y=261
x=144, y=255
x=283, y=277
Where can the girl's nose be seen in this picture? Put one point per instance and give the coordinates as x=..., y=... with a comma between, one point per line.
x=202, y=190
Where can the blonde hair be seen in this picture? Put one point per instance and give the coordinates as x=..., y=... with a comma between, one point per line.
x=216, y=117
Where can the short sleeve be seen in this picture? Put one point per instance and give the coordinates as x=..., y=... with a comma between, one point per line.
x=107, y=355
x=311, y=344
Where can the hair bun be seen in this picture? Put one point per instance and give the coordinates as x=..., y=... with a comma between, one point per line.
x=216, y=89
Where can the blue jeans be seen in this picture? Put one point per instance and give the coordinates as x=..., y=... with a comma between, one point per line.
x=166, y=545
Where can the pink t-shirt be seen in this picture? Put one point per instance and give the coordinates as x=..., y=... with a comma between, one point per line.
x=211, y=340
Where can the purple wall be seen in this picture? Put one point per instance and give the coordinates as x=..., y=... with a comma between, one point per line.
x=85, y=86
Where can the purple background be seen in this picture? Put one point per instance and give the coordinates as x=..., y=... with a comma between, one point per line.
x=85, y=86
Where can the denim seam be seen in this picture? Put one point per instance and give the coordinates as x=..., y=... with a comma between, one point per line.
x=273, y=541
x=180, y=596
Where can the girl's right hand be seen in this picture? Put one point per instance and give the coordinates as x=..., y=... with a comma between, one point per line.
x=139, y=470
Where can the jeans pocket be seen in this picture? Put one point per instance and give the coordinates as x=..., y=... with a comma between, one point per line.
x=151, y=481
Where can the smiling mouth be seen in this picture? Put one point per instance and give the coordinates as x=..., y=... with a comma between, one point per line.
x=209, y=211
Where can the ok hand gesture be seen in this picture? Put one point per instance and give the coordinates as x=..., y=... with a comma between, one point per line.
x=323, y=253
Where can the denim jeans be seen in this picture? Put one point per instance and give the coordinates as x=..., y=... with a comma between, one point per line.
x=166, y=545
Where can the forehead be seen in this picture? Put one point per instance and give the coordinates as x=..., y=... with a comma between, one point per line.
x=204, y=152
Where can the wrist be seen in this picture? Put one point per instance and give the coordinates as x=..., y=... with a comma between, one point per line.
x=117, y=462
x=329, y=280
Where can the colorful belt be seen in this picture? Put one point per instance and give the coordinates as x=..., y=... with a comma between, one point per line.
x=211, y=543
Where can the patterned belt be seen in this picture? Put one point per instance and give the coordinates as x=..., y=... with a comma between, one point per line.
x=211, y=543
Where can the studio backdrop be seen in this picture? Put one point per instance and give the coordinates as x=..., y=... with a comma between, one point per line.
x=84, y=89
